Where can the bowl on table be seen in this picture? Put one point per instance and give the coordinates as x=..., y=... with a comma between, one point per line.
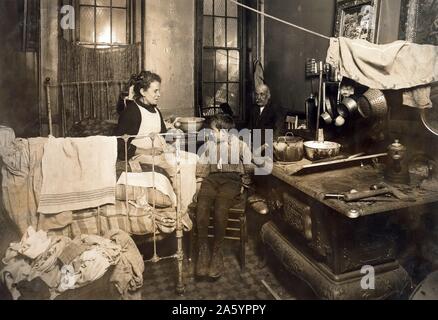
x=321, y=150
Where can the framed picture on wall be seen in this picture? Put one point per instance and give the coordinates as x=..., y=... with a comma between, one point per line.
x=357, y=19
x=422, y=30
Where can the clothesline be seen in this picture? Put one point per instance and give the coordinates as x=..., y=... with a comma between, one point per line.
x=280, y=20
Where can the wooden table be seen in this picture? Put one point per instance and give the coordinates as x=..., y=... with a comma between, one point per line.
x=328, y=242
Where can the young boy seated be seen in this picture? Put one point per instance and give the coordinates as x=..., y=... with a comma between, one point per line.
x=224, y=166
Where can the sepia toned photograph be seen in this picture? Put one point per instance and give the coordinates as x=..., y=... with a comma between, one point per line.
x=217, y=157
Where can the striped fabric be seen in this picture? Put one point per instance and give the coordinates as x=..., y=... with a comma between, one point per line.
x=134, y=221
x=72, y=198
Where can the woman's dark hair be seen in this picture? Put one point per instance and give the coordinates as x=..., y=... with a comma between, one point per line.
x=222, y=121
x=132, y=81
x=144, y=80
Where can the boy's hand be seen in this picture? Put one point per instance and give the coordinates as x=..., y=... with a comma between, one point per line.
x=260, y=149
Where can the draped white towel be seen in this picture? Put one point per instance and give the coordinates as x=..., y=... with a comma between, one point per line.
x=78, y=173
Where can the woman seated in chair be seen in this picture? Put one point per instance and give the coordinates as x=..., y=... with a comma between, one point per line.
x=223, y=168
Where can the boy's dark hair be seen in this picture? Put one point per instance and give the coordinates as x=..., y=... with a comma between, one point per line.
x=222, y=121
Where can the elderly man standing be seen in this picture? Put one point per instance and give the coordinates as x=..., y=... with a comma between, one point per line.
x=263, y=115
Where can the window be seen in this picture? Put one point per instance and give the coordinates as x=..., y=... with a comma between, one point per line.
x=104, y=23
x=220, y=55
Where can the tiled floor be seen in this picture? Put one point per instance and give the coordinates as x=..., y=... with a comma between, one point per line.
x=257, y=282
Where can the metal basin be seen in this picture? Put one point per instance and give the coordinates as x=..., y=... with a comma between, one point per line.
x=321, y=150
x=189, y=124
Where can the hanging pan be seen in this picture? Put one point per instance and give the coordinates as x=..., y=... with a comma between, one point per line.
x=372, y=104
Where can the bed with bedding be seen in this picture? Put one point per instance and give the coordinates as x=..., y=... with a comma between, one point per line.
x=75, y=187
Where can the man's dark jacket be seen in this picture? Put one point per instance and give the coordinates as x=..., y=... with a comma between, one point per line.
x=270, y=118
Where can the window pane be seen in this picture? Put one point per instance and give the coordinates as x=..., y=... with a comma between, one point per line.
x=119, y=26
x=233, y=65
x=208, y=31
x=208, y=7
x=208, y=65
x=103, y=3
x=103, y=31
x=221, y=93
x=231, y=9
x=234, y=97
x=87, y=24
x=232, y=33
x=119, y=3
x=219, y=7
x=221, y=65
x=219, y=32
x=208, y=95
x=87, y=2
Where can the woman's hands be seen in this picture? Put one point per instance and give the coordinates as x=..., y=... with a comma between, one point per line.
x=156, y=151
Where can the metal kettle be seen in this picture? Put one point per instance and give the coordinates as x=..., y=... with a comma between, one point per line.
x=288, y=148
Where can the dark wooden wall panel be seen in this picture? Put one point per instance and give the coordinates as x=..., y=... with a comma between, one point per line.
x=287, y=48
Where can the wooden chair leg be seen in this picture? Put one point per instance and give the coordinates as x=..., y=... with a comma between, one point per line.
x=243, y=234
x=190, y=249
x=192, y=239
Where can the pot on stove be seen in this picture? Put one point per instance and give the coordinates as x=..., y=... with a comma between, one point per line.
x=288, y=148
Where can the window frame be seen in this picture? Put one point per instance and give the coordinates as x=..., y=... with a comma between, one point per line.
x=199, y=54
x=130, y=23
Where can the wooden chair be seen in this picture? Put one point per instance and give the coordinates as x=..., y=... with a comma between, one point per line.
x=236, y=227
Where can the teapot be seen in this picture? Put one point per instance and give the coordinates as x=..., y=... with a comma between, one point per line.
x=397, y=166
x=288, y=148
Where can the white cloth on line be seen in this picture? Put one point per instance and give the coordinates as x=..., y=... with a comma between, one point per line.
x=7, y=137
x=78, y=173
x=394, y=66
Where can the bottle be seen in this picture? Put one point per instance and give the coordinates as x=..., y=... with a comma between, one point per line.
x=311, y=109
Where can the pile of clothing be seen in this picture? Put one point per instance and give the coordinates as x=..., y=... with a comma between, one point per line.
x=44, y=267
